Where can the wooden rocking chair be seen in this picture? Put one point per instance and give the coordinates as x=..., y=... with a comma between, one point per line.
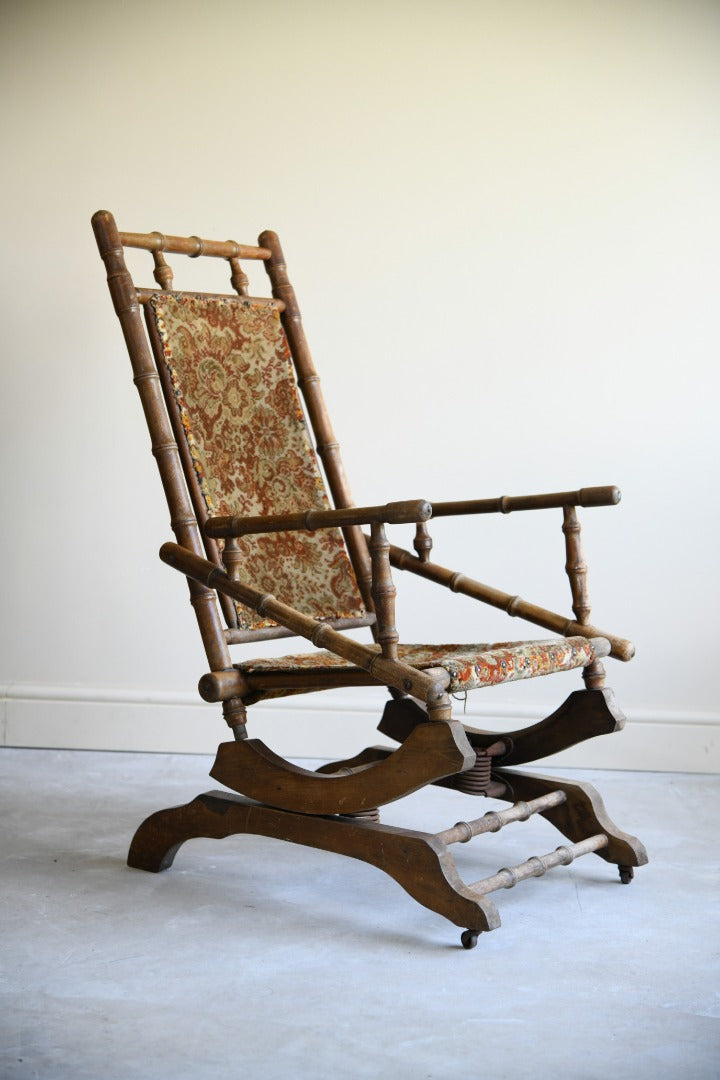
x=269, y=552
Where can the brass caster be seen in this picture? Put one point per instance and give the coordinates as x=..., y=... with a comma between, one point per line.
x=469, y=938
x=626, y=874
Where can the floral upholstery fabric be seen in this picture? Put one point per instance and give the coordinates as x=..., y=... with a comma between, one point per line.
x=234, y=385
x=469, y=666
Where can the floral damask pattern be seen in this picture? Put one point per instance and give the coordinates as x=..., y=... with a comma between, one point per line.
x=234, y=384
x=469, y=666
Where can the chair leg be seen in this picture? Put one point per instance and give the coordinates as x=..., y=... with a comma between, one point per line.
x=419, y=862
x=582, y=814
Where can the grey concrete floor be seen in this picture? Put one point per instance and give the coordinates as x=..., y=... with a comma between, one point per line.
x=253, y=958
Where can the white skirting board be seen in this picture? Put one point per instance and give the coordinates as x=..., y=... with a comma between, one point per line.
x=330, y=725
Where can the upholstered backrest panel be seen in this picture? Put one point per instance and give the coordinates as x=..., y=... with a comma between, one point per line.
x=233, y=385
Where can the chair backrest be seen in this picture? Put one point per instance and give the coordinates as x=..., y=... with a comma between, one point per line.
x=219, y=376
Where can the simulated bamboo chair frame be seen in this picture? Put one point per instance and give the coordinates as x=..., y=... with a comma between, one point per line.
x=218, y=376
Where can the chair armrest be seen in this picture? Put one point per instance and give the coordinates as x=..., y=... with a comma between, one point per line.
x=505, y=504
x=620, y=648
x=390, y=672
x=394, y=513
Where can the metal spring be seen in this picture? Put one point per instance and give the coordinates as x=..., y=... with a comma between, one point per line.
x=475, y=780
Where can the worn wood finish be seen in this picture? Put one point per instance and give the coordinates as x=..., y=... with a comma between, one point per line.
x=422, y=541
x=238, y=277
x=395, y=513
x=367, y=756
x=268, y=633
x=505, y=504
x=576, y=570
x=232, y=558
x=307, y=681
x=582, y=814
x=419, y=863
x=620, y=648
x=306, y=807
x=383, y=592
x=220, y=685
x=162, y=273
x=391, y=672
x=537, y=865
x=328, y=447
x=585, y=714
x=477, y=780
x=494, y=820
x=430, y=752
x=193, y=246
x=164, y=446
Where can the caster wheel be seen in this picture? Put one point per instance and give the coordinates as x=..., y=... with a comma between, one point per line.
x=626, y=874
x=469, y=938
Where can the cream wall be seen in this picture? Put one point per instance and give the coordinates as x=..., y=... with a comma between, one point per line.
x=501, y=220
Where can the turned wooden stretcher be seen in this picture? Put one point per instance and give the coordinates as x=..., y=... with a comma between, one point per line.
x=270, y=549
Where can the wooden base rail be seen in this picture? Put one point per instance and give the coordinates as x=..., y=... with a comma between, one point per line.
x=420, y=862
x=494, y=820
x=537, y=865
x=620, y=648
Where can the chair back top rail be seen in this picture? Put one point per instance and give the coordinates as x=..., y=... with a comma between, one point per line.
x=194, y=246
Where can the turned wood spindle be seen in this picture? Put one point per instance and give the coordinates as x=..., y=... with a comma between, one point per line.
x=235, y=715
x=162, y=273
x=231, y=558
x=238, y=277
x=165, y=450
x=576, y=569
x=383, y=591
x=423, y=541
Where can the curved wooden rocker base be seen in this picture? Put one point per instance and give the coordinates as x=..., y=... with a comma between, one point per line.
x=432, y=750
x=419, y=862
x=583, y=715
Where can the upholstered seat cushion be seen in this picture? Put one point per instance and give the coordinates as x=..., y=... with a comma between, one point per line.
x=469, y=666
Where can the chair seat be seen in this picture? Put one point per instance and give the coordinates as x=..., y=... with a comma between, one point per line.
x=469, y=666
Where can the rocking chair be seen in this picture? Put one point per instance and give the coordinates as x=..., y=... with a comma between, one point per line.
x=270, y=551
